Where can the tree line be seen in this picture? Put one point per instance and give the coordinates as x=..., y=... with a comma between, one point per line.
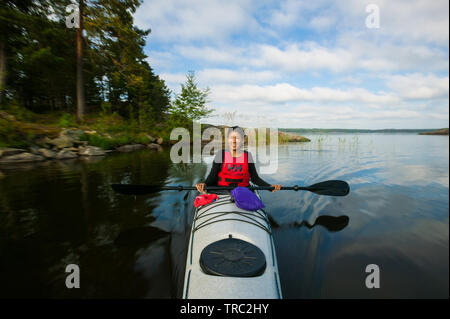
x=46, y=66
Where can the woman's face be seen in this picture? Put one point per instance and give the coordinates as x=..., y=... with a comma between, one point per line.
x=234, y=141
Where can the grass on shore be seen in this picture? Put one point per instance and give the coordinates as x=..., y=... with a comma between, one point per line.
x=20, y=128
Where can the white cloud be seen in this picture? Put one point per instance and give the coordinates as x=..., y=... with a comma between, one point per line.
x=416, y=20
x=173, y=78
x=224, y=54
x=406, y=20
x=327, y=116
x=186, y=20
x=285, y=92
x=322, y=22
x=310, y=56
x=313, y=53
x=413, y=21
x=419, y=86
x=380, y=54
x=302, y=14
x=161, y=59
x=351, y=53
x=332, y=114
x=233, y=76
x=211, y=77
x=289, y=14
x=349, y=79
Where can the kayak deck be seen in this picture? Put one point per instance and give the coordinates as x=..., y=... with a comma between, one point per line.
x=215, y=222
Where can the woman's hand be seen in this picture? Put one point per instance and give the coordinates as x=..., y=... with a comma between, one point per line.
x=276, y=187
x=201, y=187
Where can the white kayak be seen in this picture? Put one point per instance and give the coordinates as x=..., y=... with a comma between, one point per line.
x=231, y=254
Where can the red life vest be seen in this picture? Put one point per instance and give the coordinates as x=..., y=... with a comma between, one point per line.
x=234, y=170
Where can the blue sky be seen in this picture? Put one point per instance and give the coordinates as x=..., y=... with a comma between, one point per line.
x=307, y=63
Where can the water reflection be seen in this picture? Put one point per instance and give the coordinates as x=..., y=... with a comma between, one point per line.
x=61, y=212
x=331, y=223
x=139, y=236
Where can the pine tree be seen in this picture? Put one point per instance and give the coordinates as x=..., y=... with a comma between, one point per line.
x=190, y=104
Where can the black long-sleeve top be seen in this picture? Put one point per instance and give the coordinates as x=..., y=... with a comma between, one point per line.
x=213, y=177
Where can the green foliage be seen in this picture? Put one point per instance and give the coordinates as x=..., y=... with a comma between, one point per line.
x=106, y=108
x=101, y=141
x=140, y=139
x=113, y=123
x=10, y=136
x=20, y=113
x=190, y=104
x=67, y=120
x=283, y=139
x=41, y=63
x=121, y=89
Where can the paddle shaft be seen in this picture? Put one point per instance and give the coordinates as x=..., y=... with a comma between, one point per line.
x=331, y=188
x=215, y=188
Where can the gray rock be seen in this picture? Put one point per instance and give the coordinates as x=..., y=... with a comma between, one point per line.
x=21, y=158
x=80, y=143
x=49, y=154
x=159, y=140
x=130, y=148
x=91, y=151
x=66, y=154
x=45, y=141
x=154, y=146
x=10, y=151
x=69, y=149
x=34, y=150
x=62, y=142
x=72, y=133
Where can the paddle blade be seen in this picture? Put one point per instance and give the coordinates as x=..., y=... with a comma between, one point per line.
x=330, y=188
x=128, y=189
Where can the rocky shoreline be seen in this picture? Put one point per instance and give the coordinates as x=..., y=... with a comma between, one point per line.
x=71, y=143
x=68, y=145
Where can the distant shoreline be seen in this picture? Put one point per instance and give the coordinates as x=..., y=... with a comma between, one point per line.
x=338, y=130
x=443, y=131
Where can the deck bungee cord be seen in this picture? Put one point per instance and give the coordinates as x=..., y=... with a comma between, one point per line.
x=231, y=253
x=215, y=216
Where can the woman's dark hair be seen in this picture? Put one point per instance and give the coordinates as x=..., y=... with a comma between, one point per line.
x=236, y=129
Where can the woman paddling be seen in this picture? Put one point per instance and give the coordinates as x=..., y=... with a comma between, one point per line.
x=234, y=166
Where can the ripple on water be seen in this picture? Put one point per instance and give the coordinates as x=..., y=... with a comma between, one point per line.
x=53, y=213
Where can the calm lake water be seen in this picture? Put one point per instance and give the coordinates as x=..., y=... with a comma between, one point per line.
x=64, y=212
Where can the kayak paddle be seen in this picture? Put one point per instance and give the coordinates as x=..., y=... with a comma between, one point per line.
x=329, y=188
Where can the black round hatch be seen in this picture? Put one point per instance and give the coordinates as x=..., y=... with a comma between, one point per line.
x=233, y=257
